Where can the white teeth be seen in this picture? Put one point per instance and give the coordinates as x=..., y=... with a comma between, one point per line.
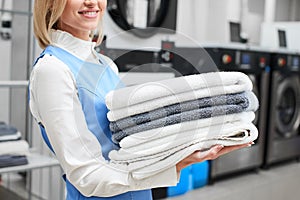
x=90, y=13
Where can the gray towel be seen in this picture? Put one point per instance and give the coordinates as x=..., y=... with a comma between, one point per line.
x=8, y=133
x=241, y=99
x=12, y=160
x=190, y=115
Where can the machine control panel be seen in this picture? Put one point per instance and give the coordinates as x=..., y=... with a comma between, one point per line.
x=262, y=62
x=226, y=59
x=281, y=62
x=246, y=59
x=166, y=54
x=294, y=63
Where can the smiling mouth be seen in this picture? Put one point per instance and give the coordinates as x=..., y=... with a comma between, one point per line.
x=91, y=13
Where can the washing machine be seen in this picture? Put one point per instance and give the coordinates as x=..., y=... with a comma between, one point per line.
x=283, y=134
x=255, y=63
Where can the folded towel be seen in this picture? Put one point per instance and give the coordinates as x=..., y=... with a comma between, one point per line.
x=145, y=106
x=202, y=145
x=244, y=100
x=167, y=142
x=18, y=147
x=152, y=90
x=12, y=160
x=165, y=163
x=162, y=145
x=142, y=166
x=8, y=132
x=178, y=118
x=206, y=112
x=153, y=134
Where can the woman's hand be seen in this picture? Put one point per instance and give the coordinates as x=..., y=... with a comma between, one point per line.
x=211, y=154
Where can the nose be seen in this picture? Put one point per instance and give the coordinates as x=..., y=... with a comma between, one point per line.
x=90, y=2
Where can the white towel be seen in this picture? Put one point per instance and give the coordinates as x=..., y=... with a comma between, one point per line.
x=153, y=134
x=176, y=157
x=153, y=147
x=17, y=147
x=145, y=166
x=152, y=90
x=149, y=96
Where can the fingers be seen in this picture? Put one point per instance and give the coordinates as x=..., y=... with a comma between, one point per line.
x=210, y=154
x=219, y=150
x=229, y=149
x=214, y=152
x=199, y=156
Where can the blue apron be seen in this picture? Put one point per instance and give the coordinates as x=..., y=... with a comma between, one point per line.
x=93, y=82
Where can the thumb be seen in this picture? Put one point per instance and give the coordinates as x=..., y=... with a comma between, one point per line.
x=209, y=154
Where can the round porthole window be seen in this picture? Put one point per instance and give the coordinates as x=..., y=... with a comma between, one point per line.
x=141, y=17
x=287, y=107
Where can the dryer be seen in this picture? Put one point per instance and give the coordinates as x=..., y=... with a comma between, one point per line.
x=255, y=63
x=283, y=135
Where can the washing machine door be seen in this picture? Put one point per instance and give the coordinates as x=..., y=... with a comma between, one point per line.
x=139, y=17
x=287, y=106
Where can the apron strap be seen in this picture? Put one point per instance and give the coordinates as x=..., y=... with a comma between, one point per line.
x=45, y=137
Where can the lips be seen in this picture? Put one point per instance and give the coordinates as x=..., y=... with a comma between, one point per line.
x=89, y=13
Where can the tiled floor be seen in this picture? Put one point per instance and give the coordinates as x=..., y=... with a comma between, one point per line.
x=280, y=182
x=13, y=187
x=7, y=195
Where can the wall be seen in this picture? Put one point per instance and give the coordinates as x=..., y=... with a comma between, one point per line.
x=191, y=28
x=248, y=12
x=252, y=18
x=186, y=34
x=4, y=75
x=5, y=67
x=269, y=35
x=296, y=10
x=283, y=10
x=218, y=18
x=198, y=21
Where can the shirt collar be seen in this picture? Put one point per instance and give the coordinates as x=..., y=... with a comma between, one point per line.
x=80, y=48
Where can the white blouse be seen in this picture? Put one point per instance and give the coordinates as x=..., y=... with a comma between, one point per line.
x=55, y=103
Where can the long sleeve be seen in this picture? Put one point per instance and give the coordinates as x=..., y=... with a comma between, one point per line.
x=55, y=103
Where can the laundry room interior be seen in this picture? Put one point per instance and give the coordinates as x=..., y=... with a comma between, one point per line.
x=152, y=42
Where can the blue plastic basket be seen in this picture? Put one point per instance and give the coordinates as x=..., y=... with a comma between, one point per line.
x=192, y=177
x=200, y=174
x=184, y=185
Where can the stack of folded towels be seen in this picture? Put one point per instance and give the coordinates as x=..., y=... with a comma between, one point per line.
x=157, y=124
x=13, y=150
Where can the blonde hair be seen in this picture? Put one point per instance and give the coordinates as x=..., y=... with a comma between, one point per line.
x=45, y=17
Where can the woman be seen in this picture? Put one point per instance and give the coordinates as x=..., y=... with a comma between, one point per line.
x=67, y=88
